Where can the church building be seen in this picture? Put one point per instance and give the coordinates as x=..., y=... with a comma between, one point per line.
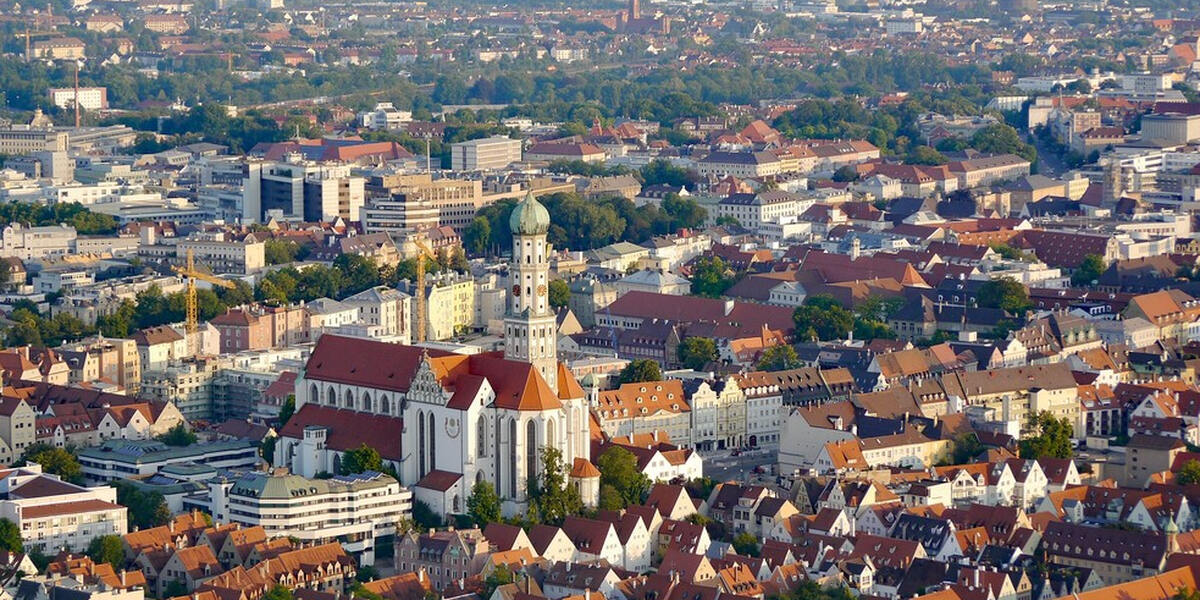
x=444, y=421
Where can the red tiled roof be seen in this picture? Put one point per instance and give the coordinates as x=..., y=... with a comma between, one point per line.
x=67, y=508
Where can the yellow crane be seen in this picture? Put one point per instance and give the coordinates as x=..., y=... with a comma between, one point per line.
x=193, y=316
x=422, y=310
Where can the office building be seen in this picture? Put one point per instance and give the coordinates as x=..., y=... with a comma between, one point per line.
x=116, y=459
x=360, y=511
x=484, y=154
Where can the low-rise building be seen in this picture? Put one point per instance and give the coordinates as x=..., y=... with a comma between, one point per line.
x=116, y=459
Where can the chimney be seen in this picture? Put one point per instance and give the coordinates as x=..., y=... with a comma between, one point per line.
x=123, y=578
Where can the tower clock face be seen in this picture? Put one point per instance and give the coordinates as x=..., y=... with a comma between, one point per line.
x=451, y=427
x=541, y=290
x=516, y=290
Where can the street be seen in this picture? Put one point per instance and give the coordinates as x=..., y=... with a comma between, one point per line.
x=723, y=466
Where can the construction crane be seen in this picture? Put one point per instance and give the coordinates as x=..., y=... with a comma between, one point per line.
x=193, y=316
x=29, y=35
x=423, y=251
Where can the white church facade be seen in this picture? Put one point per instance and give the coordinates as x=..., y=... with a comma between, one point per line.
x=445, y=421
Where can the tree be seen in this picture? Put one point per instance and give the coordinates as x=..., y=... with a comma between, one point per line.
x=287, y=410
x=711, y=276
x=924, y=155
x=146, y=509
x=1002, y=139
x=1005, y=293
x=55, y=460
x=1088, y=271
x=178, y=436
x=746, y=544
x=501, y=575
x=477, y=235
x=641, y=369
x=1048, y=437
x=483, y=505
x=10, y=537
x=560, y=293
x=696, y=352
x=1189, y=473
x=821, y=317
x=107, y=549
x=619, y=471
x=366, y=573
x=966, y=447
x=278, y=593
x=779, y=358
x=551, y=497
x=845, y=174
x=176, y=588
x=661, y=171
x=278, y=252
x=360, y=460
x=424, y=516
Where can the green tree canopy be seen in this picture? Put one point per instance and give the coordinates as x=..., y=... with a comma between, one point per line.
x=1088, y=271
x=551, y=497
x=779, y=358
x=179, y=435
x=711, y=276
x=107, y=549
x=641, y=369
x=483, y=505
x=696, y=352
x=360, y=460
x=559, y=293
x=1047, y=437
x=1004, y=293
x=822, y=318
x=57, y=461
x=10, y=537
x=146, y=509
x=746, y=544
x=619, y=472
x=1189, y=473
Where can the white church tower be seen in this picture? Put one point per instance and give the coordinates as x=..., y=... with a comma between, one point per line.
x=529, y=324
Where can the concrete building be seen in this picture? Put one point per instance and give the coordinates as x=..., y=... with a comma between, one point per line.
x=298, y=190
x=52, y=514
x=15, y=141
x=27, y=243
x=360, y=511
x=90, y=98
x=484, y=154
x=116, y=459
x=1172, y=128
x=187, y=384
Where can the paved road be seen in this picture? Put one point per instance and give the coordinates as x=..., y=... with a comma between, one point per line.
x=724, y=467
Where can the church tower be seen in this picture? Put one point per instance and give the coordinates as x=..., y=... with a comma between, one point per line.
x=529, y=324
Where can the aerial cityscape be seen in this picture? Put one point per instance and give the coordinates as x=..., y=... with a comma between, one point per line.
x=600, y=300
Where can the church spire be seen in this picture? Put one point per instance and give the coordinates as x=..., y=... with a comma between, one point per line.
x=530, y=333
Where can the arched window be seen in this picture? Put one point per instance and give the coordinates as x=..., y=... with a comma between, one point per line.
x=550, y=433
x=531, y=449
x=385, y=405
x=314, y=395
x=348, y=399
x=330, y=396
x=512, y=458
x=480, y=437
x=366, y=402
x=421, y=444
x=432, y=443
